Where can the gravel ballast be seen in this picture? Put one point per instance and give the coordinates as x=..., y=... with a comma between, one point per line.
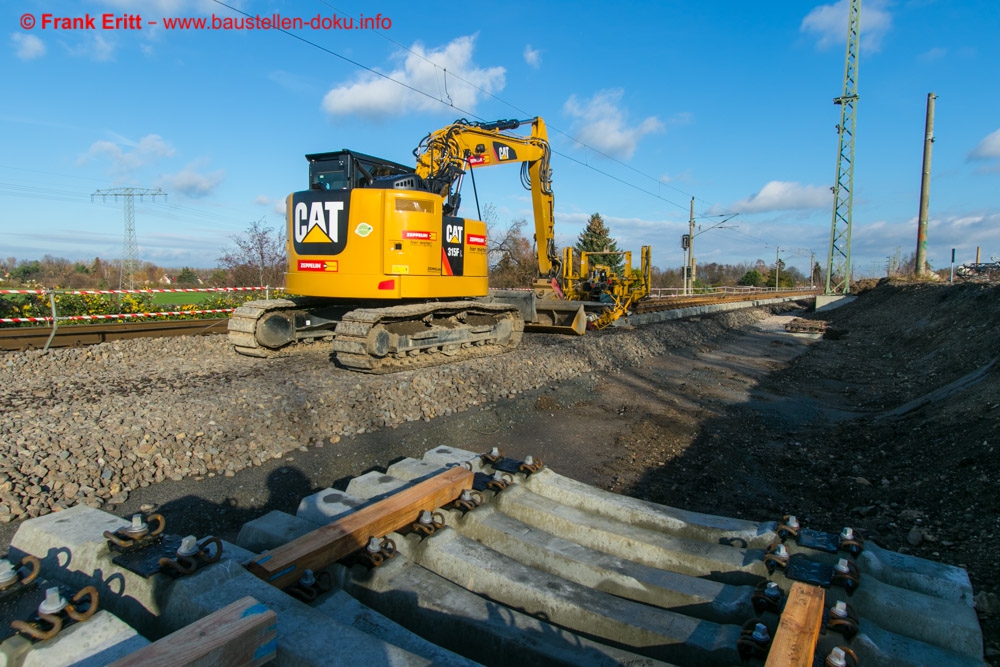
x=90, y=425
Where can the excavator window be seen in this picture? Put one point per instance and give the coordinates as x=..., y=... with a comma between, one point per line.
x=329, y=180
x=346, y=169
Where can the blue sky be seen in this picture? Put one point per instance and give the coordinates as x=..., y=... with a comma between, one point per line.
x=728, y=102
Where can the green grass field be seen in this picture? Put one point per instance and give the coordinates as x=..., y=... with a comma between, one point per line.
x=181, y=298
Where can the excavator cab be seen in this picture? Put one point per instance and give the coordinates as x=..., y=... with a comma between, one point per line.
x=347, y=169
x=371, y=229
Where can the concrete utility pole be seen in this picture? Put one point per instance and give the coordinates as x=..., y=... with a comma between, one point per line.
x=130, y=249
x=925, y=188
x=690, y=268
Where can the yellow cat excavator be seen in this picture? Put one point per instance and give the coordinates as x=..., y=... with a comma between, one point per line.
x=390, y=270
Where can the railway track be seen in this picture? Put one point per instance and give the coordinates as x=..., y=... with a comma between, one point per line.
x=34, y=338
x=672, y=303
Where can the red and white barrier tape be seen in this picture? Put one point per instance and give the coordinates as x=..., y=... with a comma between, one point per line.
x=121, y=316
x=141, y=291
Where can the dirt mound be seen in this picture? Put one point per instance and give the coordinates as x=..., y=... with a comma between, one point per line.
x=892, y=428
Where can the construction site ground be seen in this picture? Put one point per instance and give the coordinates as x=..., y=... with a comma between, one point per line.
x=888, y=425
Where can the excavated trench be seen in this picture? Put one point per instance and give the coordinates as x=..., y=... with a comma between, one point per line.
x=749, y=424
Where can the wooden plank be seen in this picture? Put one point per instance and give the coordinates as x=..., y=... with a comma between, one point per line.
x=795, y=641
x=324, y=546
x=243, y=633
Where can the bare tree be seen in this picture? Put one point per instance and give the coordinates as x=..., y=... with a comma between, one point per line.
x=258, y=258
x=512, y=259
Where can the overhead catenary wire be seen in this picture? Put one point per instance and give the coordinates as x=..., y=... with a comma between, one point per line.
x=162, y=210
x=472, y=114
x=658, y=181
x=175, y=212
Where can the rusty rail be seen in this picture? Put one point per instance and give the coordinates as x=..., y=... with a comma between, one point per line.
x=34, y=338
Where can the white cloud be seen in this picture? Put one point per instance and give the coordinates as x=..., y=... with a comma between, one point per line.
x=27, y=47
x=988, y=148
x=785, y=196
x=434, y=72
x=829, y=23
x=532, y=56
x=277, y=205
x=124, y=161
x=95, y=48
x=193, y=183
x=603, y=123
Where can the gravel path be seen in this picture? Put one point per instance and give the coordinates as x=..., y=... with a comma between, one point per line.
x=91, y=425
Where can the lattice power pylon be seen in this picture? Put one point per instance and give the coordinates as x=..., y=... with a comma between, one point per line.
x=838, y=266
x=130, y=249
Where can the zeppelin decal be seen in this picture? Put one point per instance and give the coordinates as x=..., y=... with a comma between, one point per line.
x=418, y=236
x=316, y=265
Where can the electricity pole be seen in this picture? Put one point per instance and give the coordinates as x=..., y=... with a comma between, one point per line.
x=689, y=276
x=838, y=266
x=925, y=188
x=130, y=249
x=777, y=267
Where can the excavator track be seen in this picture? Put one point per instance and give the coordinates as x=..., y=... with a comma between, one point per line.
x=387, y=340
x=248, y=328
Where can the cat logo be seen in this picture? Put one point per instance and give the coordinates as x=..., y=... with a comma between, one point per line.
x=503, y=152
x=453, y=233
x=316, y=222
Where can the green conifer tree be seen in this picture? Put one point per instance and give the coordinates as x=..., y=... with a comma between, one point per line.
x=596, y=237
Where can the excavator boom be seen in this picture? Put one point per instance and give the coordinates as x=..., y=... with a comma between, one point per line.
x=444, y=156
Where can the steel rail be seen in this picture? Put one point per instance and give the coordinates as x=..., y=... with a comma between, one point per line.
x=34, y=338
x=673, y=303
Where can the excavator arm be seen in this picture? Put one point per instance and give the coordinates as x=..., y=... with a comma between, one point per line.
x=444, y=156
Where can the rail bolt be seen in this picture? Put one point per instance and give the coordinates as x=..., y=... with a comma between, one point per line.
x=771, y=591
x=138, y=528
x=851, y=542
x=53, y=603
x=789, y=527
x=188, y=548
x=8, y=575
x=841, y=656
